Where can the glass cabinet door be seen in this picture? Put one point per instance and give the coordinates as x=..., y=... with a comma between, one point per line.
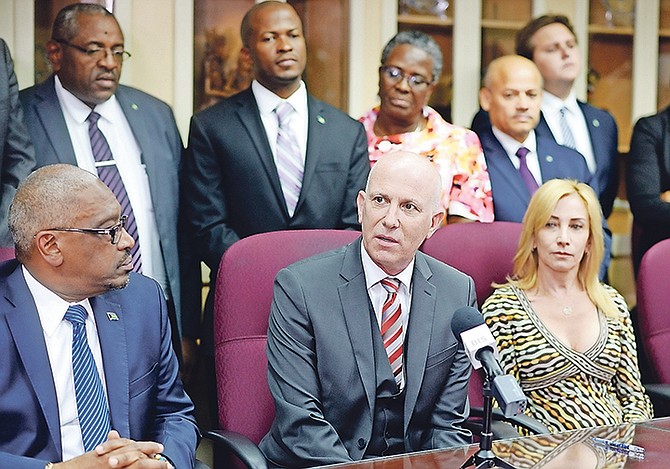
x=610, y=69
x=664, y=55
x=501, y=19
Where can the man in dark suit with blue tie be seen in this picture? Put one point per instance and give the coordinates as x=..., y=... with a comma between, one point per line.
x=83, y=95
x=239, y=177
x=107, y=395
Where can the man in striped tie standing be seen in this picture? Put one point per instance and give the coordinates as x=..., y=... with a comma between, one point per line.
x=88, y=377
x=362, y=360
x=81, y=115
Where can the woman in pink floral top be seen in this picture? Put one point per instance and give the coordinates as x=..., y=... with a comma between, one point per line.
x=411, y=65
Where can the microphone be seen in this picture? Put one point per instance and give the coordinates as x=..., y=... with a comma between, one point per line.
x=480, y=346
x=468, y=326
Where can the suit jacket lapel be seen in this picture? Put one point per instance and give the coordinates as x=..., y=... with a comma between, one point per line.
x=317, y=124
x=139, y=128
x=26, y=328
x=598, y=144
x=250, y=118
x=419, y=332
x=52, y=121
x=356, y=310
x=112, y=336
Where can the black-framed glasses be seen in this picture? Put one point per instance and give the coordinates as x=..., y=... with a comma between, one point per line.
x=114, y=232
x=98, y=53
x=395, y=74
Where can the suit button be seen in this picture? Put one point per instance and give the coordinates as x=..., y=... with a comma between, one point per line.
x=361, y=443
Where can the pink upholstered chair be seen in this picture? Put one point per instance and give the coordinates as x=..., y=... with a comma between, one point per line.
x=653, y=309
x=484, y=251
x=242, y=303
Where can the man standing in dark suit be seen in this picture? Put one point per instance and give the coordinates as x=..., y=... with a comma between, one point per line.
x=362, y=359
x=271, y=157
x=519, y=160
x=17, y=158
x=88, y=375
x=550, y=42
x=86, y=52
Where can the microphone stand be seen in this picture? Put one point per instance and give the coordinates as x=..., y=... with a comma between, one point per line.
x=485, y=457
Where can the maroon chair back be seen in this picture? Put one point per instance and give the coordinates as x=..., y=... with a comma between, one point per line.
x=653, y=308
x=484, y=251
x=242, y=303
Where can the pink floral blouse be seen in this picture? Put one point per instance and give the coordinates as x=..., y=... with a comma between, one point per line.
x=457, y=153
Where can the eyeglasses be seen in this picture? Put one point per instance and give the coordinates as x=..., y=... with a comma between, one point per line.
x=98, y=53
x=395, y=75
x=114, y=232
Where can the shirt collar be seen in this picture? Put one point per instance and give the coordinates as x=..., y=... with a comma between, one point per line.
x=374, y=274
x=267, y=101
x=553, y=104
x=78, y=109
x=511, y=145
x=51, y=308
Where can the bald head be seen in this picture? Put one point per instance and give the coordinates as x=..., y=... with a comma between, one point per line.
x=412, y=167
x=50, y=197
x=399, y=209
x=512, y=95
x=247, y=25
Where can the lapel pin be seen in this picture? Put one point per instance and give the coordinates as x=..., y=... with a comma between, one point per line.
x=596, y=123
x=549, y=159
x=320, y=119
x=134, y=106
x=112, y=316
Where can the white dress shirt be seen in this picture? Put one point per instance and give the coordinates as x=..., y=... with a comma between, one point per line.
x=511, y=146
x=378, y=294
x=58, y=338
x=128, y=157
x=551, y=109
x=267, y=101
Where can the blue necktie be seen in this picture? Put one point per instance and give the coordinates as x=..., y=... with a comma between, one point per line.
x=91, y=402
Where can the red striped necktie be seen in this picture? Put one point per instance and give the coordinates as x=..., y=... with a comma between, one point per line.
x=391, y=327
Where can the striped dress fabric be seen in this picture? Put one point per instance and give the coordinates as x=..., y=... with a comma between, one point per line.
x=567, y=389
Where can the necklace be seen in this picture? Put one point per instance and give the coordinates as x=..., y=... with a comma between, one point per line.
x=567, y=310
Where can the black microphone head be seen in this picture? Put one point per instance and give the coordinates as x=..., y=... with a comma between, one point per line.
x=464, y=319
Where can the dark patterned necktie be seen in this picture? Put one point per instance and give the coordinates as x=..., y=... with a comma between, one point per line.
x=525, y=173
x=91, y=402
x=109, y=174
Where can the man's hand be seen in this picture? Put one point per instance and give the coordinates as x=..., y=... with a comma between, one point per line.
x=119, y=452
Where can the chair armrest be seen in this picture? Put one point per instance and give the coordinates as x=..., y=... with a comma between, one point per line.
x=240, y=446
x=660, y=398
x=200, y=465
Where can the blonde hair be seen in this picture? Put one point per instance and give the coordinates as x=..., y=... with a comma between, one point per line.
x=539, y=211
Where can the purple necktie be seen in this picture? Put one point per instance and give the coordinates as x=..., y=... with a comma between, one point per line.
x=290, y=165
x=524, y=172
x=109, y=174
